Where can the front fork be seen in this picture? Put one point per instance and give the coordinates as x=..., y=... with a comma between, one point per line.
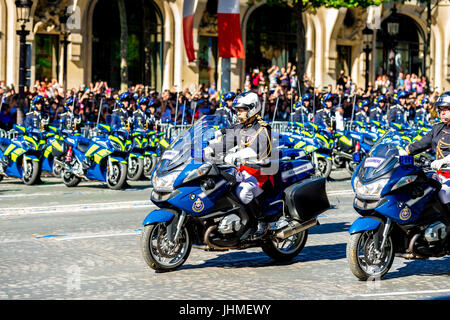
x=384, y=234
x=175, y=227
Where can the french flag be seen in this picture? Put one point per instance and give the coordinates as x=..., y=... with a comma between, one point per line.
x=188, y=28
x=229, y=29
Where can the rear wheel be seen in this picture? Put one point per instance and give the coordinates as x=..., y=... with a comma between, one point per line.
x=69, y=179
x=287, y=249
x=364, y=260
x=160, y=253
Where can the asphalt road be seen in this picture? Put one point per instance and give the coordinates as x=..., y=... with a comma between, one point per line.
x=83, y=243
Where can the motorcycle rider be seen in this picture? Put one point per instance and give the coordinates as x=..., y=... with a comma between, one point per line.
x=397, y=113
x=422, y=110
x=377, y=111
x=69, y=119
x=225, y=107
x=247, y=143
x=438, y=138
x=140, y=118
x=301, y=112
x=123, y=103
x=37, y=117
x=325, y=115
x=362, y=113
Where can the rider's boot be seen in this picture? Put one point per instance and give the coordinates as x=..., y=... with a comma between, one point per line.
x=256, y=211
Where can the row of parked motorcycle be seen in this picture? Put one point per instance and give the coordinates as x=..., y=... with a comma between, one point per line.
x=330, y=149
x=113, y=154
x=108, y=152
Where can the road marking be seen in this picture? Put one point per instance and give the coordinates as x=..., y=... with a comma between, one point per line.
x=404, y=293
x=98, y=236
x=76, y=208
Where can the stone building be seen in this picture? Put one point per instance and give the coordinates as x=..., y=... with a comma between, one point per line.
x=156, y=55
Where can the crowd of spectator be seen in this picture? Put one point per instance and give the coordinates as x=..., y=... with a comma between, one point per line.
x=278, y=88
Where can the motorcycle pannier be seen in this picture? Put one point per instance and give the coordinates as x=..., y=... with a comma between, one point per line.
x=307, y=199
x=59, y=148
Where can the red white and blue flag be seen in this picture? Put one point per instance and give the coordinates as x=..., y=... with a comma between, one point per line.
x=229, y=29
x=188, y=28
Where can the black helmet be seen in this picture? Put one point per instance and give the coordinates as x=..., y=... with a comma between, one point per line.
x=443, y=100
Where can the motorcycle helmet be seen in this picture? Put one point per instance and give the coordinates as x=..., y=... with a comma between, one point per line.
x=247, y=100
x=229, y=96
x=307, y=97
x=143, y=101
x=402, y=94
x=363, y=104
x=37, y=100
x=69, y=102
x=443, y=100
x=126, y=96
x=326, y=97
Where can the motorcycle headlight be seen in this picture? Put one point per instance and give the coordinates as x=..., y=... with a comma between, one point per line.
x=116, y=145
x=370, y=189
x=164, y=183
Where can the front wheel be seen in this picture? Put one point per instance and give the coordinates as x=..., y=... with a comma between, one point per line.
x=351, y=166
x=365, y=261
x=287, y=249
x=116, y=175
x=324, y=167
x=160, y=253
x=69, y=179
x=135, y=169
x=31, y=172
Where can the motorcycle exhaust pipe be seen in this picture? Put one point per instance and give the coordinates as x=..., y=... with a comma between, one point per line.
x=295, y=227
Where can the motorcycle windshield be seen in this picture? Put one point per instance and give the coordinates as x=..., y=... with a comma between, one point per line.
x=31, y=122
x=190, y=143
x=114, y=121
x=382, y=160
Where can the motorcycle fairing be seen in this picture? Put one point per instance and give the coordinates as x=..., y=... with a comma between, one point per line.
x=363, y=224
x=158, y=216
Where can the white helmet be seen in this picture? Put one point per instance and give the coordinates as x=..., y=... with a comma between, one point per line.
x=247, y=100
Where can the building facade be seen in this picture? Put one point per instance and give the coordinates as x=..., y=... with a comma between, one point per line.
x=157, y=57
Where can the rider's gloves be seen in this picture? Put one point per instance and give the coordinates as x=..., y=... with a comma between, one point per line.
x=242, y=156
x=208, y=152
x=402, y=152
x=437, y=164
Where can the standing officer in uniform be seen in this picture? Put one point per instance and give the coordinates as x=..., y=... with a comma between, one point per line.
x=397, y=113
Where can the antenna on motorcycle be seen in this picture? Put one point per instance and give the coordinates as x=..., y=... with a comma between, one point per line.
x=176, y=108
x=276, y=109
x=99, y=111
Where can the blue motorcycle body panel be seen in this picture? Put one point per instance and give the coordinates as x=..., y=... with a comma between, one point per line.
x=158, y=216
x=363, y=224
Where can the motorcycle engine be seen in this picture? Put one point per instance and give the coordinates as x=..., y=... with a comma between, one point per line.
x=435, y=232
x=230, y=224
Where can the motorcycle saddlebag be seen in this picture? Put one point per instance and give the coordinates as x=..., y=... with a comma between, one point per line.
x=59, y=148
x=307, y=199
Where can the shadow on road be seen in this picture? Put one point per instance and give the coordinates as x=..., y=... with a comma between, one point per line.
x=433, y=267
x=330, y=228
x=243, y=259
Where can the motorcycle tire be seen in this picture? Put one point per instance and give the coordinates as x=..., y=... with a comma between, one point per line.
x=275, y=248
x=32, y=177
x=69, y=179
x=324, y=167
x=57, y=170
x=138, y=172
x=154, y=248
x=119, y=182
x=362, y=258
x=149, y=168
x=350, y=166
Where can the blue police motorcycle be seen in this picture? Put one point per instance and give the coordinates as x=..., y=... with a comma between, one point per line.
x=401, y=213
x=197, y=205
x=102, y=158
